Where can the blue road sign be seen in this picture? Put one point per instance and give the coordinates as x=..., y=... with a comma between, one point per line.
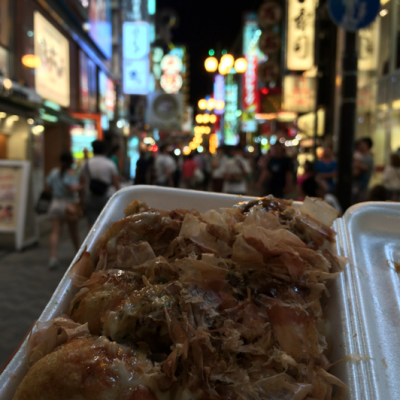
x=353, y=14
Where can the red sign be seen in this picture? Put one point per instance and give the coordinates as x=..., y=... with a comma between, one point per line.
x=251, y=97
x=270, y=42
x=269, y=13
x=268, y=71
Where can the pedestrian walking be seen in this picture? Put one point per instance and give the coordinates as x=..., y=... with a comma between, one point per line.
x=64, y=185
x=99, y=177
x=315, y=186
x=114, y=155
x=391, y=178
x=165, y=167
x=308, y=172
x=326, y=168
x=236, y=172
x=278, y=172
x=217, y=170
x=189, y=172
x=363, y=169
x=143, y=167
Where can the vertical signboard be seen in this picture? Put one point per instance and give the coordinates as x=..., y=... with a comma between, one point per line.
x=136, y=66
x=92, y=85
x=84, y=81
x=231, y=137
x=52, y=77
x=369, y=47
x=107, y=96
x=300, y=35
x=100, y=25
x=219, y=91
x=251, y=99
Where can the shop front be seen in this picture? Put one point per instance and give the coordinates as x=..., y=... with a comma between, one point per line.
x=20, y=163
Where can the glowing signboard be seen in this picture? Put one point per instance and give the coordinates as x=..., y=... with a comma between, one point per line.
x=100, y=25
x=231, y=137
x=136, y=65
x=219, y=91
x=300, y=35
x=171, y=83
x=136, y=43
x=172, y=66
x=52, y=76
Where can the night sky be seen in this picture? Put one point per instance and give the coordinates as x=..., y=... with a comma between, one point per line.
x=202, y=25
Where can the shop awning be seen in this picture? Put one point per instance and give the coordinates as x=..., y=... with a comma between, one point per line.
x=50, y=114
x=11, y=107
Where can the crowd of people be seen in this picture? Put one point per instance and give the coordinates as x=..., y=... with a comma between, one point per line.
x=231, y=170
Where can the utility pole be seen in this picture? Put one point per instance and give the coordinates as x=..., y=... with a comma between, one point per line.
x=347, y=122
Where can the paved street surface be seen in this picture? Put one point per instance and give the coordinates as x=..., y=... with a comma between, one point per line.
x=26, y=286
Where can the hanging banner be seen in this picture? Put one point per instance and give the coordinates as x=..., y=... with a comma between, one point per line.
x=251, y=96
x=300, y=35
x=369, y=47
x=268, y=71
x=270, y=13
x=231, y=136
x=270, y=42
x=136, y=64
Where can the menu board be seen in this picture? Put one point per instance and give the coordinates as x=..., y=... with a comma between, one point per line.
x=17, y=216
x=10, y=183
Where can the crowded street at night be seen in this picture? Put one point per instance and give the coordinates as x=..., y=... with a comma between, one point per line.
x=199, y=200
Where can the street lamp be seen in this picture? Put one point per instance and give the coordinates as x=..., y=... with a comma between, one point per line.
x=226, y=64
x=213, y=119
x=211, y=64
x=222, y=70
x=227, y=61
x=241, y=65
x=220, y=105
x=199, y=118
x=210, y=104
x=202, y=104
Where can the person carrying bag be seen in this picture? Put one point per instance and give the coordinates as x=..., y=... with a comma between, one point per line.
x=63, y=185
x=98, y=176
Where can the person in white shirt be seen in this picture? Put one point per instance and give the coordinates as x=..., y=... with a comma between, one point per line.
x=165, y=167
x=236, y=171
x=391, y=178
x=99, y=176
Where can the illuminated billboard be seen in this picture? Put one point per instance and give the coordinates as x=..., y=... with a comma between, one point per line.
x=136, y=64
x=107, y=96
x=52, y=48
x=100, y=25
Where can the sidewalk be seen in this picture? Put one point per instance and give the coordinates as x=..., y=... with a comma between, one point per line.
x=26, y=286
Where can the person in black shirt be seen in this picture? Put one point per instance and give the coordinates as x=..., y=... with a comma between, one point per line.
x=142, y=168
x=279, y=171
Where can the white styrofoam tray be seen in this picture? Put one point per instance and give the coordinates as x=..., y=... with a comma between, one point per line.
x=352, y=313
